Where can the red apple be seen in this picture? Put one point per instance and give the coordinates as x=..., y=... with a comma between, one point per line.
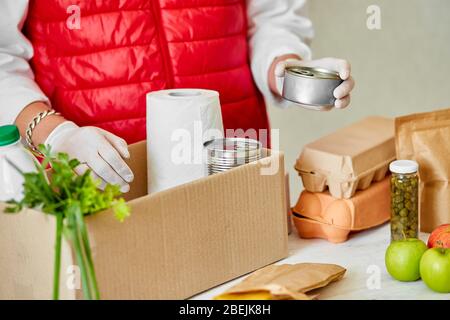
x=440, y=237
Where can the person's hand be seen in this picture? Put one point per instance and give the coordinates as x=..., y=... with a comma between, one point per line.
x=95, y=148
x=341, y=93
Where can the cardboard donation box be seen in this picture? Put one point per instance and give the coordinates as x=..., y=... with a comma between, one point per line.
x=176, y=243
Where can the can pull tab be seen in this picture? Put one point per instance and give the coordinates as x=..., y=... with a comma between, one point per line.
x=306, y=73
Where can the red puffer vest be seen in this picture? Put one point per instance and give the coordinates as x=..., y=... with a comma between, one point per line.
x=100, y=73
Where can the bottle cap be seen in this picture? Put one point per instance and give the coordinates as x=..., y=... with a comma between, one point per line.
x=8, y=135
x=403, y=166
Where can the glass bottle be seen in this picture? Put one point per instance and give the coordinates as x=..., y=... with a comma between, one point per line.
x=404, y=199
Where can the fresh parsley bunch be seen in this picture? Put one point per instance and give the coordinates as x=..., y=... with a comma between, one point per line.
x=69, y=197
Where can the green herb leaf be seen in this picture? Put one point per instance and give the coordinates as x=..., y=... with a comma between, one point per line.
x=121, y=210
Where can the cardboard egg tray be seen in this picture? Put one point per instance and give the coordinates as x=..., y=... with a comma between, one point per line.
x=320, y=215
x=349, y=159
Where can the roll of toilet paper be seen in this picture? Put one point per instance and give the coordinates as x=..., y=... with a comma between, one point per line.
x=179, y=123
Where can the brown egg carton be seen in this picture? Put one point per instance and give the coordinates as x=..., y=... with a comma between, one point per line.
x=309, y=229
x=343, y=188
x=349, y=159
x=319, y=215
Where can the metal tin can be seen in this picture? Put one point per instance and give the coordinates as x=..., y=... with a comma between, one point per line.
x=225, y=154
x=312, y=88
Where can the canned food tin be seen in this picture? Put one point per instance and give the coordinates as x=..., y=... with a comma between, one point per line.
x=312, y=88
x=228, y=153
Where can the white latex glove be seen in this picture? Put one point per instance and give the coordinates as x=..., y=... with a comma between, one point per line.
x=341, y=93
x=95, y=148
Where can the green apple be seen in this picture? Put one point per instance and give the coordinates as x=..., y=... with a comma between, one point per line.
x=435, y=269
x=403, y=259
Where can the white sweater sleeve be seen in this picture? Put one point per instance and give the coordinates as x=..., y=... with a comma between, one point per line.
x=276, y=27
x=17, y=85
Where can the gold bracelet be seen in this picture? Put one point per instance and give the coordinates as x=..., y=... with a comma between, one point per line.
x=32, y=125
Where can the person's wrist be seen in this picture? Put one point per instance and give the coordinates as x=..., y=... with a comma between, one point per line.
x=44, y=128
x=271, y=74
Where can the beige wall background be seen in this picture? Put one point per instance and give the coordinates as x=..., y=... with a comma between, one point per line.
x=402, y=68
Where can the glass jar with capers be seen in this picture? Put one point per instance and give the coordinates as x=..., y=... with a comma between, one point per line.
x=404, y=199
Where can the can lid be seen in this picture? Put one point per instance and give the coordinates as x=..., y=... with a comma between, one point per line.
x=233, y=145
x=9, y=134
x=310, y=72
x=403, y=166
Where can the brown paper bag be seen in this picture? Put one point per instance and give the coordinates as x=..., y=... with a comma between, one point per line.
x=284, y=282
x=425, y=138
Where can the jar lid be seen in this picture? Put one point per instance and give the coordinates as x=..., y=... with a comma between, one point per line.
x=8, y=135
x=404, y=166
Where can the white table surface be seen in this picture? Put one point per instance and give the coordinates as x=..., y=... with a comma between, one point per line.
x=363, y=252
